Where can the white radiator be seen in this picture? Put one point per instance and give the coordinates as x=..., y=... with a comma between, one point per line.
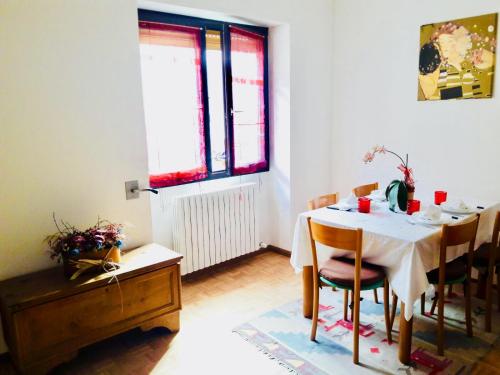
x=213, y=227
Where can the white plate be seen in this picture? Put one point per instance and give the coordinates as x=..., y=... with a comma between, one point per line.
x=456, y=210
x=420, y=218
x=377, y=198
x=343, y=206
x=347, y=207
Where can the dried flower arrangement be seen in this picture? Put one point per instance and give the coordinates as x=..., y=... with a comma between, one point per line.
x=81, y=250
x=71, y=242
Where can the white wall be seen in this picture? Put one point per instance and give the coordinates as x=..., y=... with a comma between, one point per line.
x=453, y=145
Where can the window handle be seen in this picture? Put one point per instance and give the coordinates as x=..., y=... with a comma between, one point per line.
x=154, y=191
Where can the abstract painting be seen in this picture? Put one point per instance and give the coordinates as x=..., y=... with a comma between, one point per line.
x=457, y=58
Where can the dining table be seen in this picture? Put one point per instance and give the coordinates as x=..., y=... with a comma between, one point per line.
x=406, y=248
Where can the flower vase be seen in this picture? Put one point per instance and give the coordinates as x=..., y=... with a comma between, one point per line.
x=397, y=196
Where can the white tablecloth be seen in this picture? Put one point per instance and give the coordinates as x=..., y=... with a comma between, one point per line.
x=406, y=251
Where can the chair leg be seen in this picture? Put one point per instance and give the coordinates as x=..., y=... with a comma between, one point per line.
x=468, y=317
x=388, y=326
x=440, y=326
x=355, y=351
x=352, y=304
x=346, y=302
x=394, y=306
x=422, y=304
x=375, y=295
x=434, y=303
x=498, y=289
x=315, y=308
x=450, y=290
x=489, y=302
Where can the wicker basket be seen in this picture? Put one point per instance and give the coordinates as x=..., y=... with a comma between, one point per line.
x=113, y=255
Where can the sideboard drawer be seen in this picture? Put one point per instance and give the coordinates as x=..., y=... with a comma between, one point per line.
x=74, y=320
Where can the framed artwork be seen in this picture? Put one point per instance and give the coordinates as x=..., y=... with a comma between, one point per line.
x=457, y=58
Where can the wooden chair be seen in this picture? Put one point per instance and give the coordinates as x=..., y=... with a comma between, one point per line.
x=487, y=259
x=346, y=274
x=457, y=271
x=363, y=191
x=322, y=201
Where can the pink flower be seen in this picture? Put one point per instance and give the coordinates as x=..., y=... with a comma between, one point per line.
x=368, y=157
x=403, y=167
x=408, y=173
x=379, y=149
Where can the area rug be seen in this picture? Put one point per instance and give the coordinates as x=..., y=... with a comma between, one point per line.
x=283, y=335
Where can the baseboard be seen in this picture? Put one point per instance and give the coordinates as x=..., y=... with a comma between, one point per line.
x=279, y=250
x=221, y=266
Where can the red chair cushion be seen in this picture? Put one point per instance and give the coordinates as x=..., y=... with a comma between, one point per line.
x=340, y=271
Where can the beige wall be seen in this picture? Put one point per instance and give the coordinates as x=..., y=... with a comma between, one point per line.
x=71, y=124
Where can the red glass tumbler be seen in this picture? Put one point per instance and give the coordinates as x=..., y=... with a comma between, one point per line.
x=413, y=206
x=364, y=205
x=440, y=197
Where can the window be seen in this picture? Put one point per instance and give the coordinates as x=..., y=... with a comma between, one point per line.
x=205, y=98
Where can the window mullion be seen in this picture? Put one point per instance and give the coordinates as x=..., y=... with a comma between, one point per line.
x=228, y=102
x=206, y=109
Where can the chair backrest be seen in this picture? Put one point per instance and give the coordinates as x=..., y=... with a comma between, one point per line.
x=364, y=190
x=453, y=235
x=322, y=201
x=339, y=238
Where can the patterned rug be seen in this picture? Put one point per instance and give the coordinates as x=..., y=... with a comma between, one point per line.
x=283, y=334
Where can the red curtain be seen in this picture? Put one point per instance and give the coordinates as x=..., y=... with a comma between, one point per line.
x=249, y=129
x=188, y=37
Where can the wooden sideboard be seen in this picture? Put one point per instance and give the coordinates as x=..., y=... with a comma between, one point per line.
x=46, y=318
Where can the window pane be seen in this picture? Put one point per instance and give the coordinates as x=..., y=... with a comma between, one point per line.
x=247, y=66
x=216, y=100
x=171, y=84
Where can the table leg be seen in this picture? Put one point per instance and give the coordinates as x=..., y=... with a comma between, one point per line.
x=307, y=286
x=405, y=334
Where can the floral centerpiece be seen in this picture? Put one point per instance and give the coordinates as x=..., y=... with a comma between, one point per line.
x=81, y=250
x=403, y=167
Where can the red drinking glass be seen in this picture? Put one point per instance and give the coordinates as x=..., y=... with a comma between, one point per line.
x=413, y=206
x=364, y=205
x=440, y=197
